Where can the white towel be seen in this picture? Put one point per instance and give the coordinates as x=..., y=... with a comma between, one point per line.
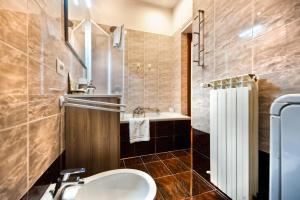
x=139, y=130
x=118, y=34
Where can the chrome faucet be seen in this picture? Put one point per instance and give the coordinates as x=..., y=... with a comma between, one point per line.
x=141, y=110
x=66, y=173
x=65, y=178
x=90, y=88
x=138, y=111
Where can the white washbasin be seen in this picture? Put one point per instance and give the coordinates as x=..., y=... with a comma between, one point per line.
x=125, y=184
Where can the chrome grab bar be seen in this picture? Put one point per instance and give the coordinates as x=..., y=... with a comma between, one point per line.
x=91, y=107
x=67, y=99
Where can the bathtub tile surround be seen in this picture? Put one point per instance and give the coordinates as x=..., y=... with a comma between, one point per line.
x=174, y=176
x=262, y=41
x=153, y=78
x=164, y=136
x=31, y=38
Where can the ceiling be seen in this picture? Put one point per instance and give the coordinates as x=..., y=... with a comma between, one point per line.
x=163, y=3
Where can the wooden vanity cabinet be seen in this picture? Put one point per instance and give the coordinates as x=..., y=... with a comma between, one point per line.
x=92, y=138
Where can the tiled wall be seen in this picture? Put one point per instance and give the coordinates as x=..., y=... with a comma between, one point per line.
x=161, y=81
x=156, y=83
x=30, y=120
x=233, y=47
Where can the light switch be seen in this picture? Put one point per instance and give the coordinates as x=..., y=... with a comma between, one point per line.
x=60, y=67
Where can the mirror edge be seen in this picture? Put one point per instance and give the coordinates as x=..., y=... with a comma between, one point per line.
x=66, y=35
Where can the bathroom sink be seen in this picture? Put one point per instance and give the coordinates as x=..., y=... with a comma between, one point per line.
x=125, y=184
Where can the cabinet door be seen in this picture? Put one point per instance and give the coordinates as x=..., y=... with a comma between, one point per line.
x=290, y=152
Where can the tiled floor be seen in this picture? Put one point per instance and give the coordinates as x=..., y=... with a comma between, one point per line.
x=174, y=177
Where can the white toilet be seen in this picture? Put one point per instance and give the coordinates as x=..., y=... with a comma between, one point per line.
x=285, y=148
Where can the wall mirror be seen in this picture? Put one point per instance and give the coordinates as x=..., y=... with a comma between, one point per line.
x=75, y=16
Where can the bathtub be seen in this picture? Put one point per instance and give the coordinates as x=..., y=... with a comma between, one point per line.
x=169, y=131
x=162, y=116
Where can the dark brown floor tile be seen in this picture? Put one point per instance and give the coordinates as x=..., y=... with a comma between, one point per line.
x=187, y=160
x=201, y=165
x=157, y=169
x=150, y=158
x=165, y=156
x=176, y=166
x=179, y=153
x=193, y=183
x=133, y=161
x=140, y=167
x=170, y=188
x=158, y=196
x=213, y=195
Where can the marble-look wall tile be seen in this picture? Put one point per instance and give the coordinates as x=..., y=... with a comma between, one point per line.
x=13, y=71
x=13, y=86
x=293, y=44
x=45, y=87
x=270, y=52
x=260, y=37
x=13, y=23
x=29, y=91
x=151, y=70
x=44, y=145
x=13, y=110
x=13, y=163
x=177, y=65
x=148, y=71
x=44, y=38
x=232, y=18
x=272, y=14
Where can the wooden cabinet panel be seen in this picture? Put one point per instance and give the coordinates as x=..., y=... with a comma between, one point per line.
x=92, y=140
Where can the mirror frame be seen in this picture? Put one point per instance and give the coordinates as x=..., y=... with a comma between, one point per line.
x=66, y=29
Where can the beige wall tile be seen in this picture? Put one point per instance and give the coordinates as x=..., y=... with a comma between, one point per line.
x=44, y=145
x=13, y=163
x=13, y=71
x=13, y=110
x=271, y=52
x=45, y=87
x=13, y=23
x=13, y=87
x=272, y=14
x=32, y=71
x=151, y=84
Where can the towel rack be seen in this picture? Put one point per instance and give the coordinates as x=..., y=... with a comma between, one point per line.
x=89, y=104
x=68, y=99
x=200, y=35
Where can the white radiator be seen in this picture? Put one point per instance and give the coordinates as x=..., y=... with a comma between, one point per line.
x=234, y=136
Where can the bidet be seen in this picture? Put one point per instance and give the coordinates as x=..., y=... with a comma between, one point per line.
x=120, y=184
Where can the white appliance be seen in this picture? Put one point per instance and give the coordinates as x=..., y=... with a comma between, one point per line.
x=285, y=148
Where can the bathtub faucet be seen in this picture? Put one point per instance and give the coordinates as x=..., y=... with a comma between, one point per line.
x=141, y=110
x=138, y=111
